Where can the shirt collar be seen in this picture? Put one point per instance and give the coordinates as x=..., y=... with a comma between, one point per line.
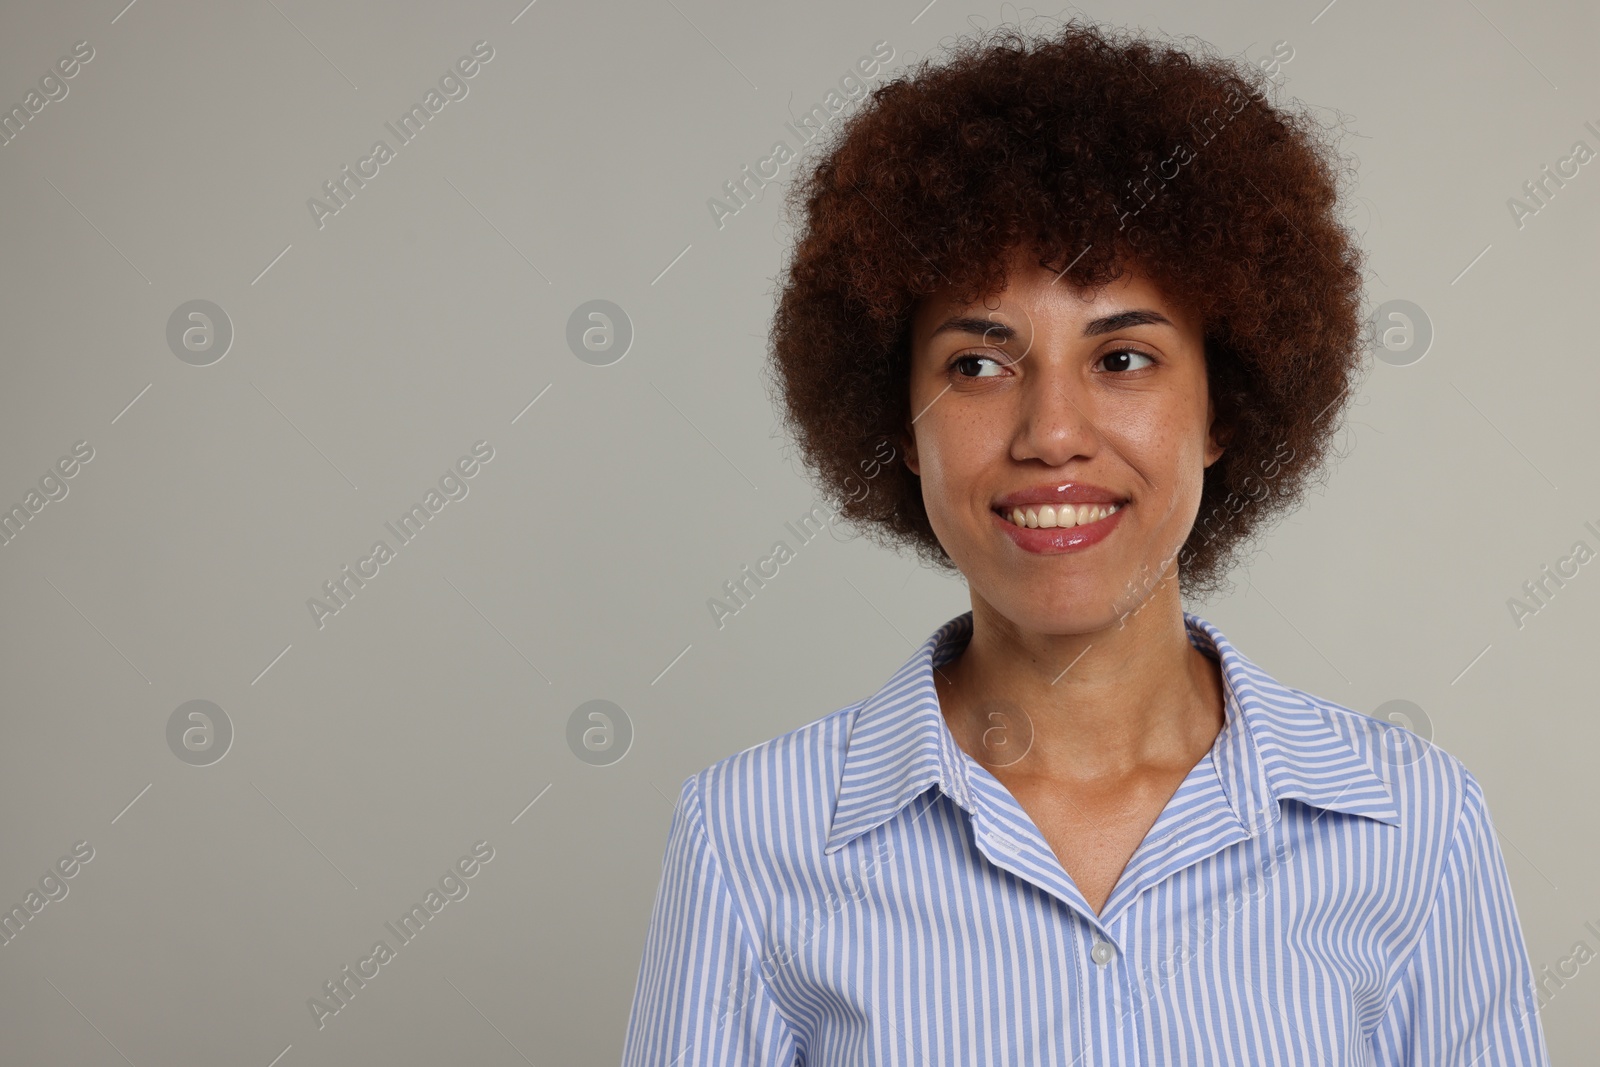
x=1274, y=744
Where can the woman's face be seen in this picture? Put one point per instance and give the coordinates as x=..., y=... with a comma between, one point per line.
x=1064, y=395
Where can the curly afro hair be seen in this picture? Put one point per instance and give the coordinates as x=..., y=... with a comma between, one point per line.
x=1098, y=150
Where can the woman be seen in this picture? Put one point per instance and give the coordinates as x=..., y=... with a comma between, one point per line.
x=1096, y=293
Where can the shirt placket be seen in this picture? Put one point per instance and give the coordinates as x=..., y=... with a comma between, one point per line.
x=1105, y=1023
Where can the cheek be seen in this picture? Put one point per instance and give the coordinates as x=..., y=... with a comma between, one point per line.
x=1169, y=453
x=952, y=456
x=1154, y=443
x=1189, y=466
x=938, y=478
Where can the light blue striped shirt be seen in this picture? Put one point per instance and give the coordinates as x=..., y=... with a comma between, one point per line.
x=1323, y=888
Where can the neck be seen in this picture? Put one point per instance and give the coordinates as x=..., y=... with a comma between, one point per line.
x=1085, y=706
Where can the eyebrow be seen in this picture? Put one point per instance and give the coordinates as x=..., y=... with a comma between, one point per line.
x=1093, y=328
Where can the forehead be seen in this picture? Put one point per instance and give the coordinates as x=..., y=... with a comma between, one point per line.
x=1035, y=295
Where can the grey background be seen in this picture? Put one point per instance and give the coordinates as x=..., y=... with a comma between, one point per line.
x=433, y=711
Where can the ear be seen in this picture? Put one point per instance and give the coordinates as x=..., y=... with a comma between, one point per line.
x=908, y=446
x=1218, y=434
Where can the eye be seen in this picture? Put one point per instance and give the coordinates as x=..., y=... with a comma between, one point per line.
x=973, y=358
x=1119, y=359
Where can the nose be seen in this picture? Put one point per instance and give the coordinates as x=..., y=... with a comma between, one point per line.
x=1055, y=418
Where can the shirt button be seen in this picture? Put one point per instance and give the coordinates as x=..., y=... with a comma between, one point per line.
x=1102, y=952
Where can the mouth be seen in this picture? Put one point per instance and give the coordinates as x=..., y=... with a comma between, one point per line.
x=1057, y=516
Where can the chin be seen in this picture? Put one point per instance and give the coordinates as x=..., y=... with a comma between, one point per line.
x=1060, y=607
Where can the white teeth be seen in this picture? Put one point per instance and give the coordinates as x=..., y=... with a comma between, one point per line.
x=1047, y=516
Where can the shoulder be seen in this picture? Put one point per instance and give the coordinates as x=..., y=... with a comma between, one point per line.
x=1432, y=789
x=779, y=793
x=1402, y=867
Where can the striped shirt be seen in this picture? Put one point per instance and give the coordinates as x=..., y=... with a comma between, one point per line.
x=1322, y=888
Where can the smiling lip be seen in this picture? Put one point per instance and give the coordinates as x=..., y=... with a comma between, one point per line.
x=1059, y=493
x=1056, y=540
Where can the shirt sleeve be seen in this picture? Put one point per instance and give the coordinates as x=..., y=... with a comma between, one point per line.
x=1466, y=996
x=701, y=999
